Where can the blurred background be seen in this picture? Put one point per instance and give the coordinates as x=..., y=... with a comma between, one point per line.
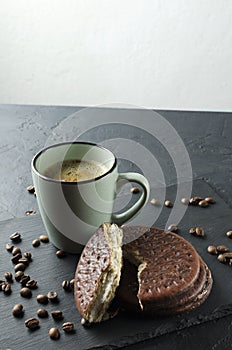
x=155, y=53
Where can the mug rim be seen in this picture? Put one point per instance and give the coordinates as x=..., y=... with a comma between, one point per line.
x=33, y=166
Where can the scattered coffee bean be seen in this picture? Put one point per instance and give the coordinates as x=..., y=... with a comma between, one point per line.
x=168, y=204
x=221, y=258
x=203, y=203
x=134, y=190
x=7, y=288
x=25, y=293
x=16, y=250
x=19, y=267
x=9, y=247
x=36, y=243
x=32, y=323
x=57, y=315
x=212, y=249
x=23, y=261
x=195, y=200
x=229, y=234
x=185, y=201
x=66, y=286
x=17, y=310
x=54, y=333
x=173, y=228
x=192, y=230
x=8, y=276
x=200, y=232
x=28, y=256
x=227, y=255
x=44, y=238
x=15, y=237
x=155, y=201
x=60, y=253
x=210, y=200
x=42, y=298
x=31, y=189
x=24, y=280
x=222, y=249
x=85, y=323
x=42, y=313
x=72, y=282
x=18, y=276
x=68, y=327
x=30, y=212
x=32, y=284
x=230, y=262
x=2, y=285
x=16, y=258
x=52, y=296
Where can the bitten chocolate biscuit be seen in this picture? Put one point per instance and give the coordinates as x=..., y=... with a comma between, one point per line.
x=162, y=274
x=98, y=273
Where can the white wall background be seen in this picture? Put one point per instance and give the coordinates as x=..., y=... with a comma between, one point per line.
x=171, y=54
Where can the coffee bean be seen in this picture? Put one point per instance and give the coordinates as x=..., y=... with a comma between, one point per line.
x=54, y=333
x=16, y=258
x=222, y=249
x=16, y=251
x=31, y=189
x=7, y=288
x=52, y=296
x=227, y=255
x=173, y=228
x=19, y=267
x=32, y=284
x=15, y=237
x=230, y=262
x=60, y=253
x=28, y=256
x=195, y=200
x=155, y=201
x=44, y=238
x=32, y=323
x=185, y=201
x=8, y=276
x=221, y=258
x=23, y=261
x=203, y=204
x=36, y=243
x=72, y=282
x=18, y=276
x=57, y=315
x=24, y=280
x=17, y=310
x=9, y=247
x=168, y=204
x=42, y=298
x=42, y=313
x=134, y=190
x=200, y=232
x=229, y=234
x=68, y=327
x=30, y=212
x=26, y=293
x=210, y=200
x=212, y=249
x=66, y=286
x=192, y=230
x=2, y=285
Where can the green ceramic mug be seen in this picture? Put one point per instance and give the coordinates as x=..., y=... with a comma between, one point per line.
x=72, y=211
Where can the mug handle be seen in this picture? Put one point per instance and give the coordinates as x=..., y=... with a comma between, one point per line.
x=119, y=219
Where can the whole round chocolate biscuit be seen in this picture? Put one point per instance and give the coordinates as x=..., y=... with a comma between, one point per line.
x=98, y=273
x=169, y=273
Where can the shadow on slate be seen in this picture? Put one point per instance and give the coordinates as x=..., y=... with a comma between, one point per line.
x=125, y=329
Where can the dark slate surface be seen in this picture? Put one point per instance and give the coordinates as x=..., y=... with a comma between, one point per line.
x=24, y=130
x=125, y=329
